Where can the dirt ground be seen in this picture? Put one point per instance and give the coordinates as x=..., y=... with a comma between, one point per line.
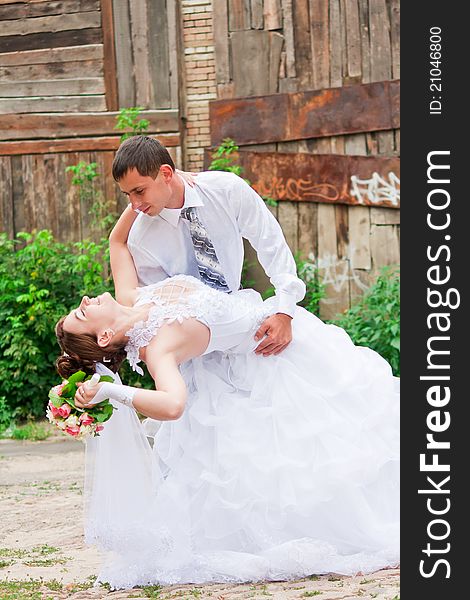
x=43, y=556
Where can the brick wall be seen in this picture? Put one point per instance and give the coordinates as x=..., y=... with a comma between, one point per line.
x=199, y=65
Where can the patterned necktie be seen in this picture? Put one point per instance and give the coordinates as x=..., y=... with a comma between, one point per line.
x=206, y=258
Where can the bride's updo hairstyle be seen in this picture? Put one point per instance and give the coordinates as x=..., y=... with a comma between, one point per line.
x=82, y=352
x=143, y=153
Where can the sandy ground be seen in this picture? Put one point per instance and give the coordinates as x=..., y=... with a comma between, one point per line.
x=41, y=539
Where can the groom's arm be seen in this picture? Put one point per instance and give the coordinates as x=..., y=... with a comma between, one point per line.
x=260, y=228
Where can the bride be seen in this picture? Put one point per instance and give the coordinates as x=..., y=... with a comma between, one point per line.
x=263, y=468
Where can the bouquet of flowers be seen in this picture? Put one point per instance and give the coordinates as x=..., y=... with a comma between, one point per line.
x=77, y=422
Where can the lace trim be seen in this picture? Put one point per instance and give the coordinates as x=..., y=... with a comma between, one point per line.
x=176, y=299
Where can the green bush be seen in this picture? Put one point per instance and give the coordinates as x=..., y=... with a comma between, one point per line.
x=41, y=280
x=315, y=289
x=375, y=320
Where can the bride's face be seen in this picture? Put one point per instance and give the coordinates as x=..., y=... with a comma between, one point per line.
x=92, y=315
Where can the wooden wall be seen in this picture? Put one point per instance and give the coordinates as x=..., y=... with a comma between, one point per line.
x=271, y=46
x=66, y=68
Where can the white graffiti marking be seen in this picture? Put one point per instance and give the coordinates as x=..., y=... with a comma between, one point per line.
x=376, y=189
x=337, y=272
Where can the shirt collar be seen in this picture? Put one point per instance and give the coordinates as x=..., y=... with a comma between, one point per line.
x=191, y=198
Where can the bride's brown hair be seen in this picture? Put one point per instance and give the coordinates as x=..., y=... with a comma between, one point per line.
x=82, y=352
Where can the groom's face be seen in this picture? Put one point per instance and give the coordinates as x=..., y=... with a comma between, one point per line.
x=146, y=194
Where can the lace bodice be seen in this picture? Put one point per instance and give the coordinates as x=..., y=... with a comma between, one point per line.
x=178, y=298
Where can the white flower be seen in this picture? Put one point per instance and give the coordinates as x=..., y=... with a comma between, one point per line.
x=71, y=421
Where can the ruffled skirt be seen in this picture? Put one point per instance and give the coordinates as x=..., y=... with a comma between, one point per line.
x=281, y=467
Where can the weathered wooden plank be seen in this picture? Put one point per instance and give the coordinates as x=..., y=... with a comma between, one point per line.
x=123, y=48
x=302, y=115
x=140, y=49
x=330, y=179
x=344, y=44
x=169, y=140
x=331, y=268
x=19, y=176
x=385, y=246
x=320, y=42
x=336, y=70
x=52, y=104
x=384, y=216
x=58, y=70
x=257, y=20
x=303, y=49
x=359, y=242
x=288, y=20
x=395, y=37
x=59, y=39
x=110, y=73
x=68, y=217
x=52, y=55
x=239, y=15
x=359, y=281
x=342, y=230
x=276, y=42
x=327, y=244
x=272, y=14
x=64, y=22
x=58, y=87
x=23, y=10
x=365, y=39
x=159, y=60
x=380, y=53
x=6, y=198
x=308, y=229
x=221, y=42
x=175, y=52
x=353, y=36
x=246, y=74
x=289, y=220
x=380, y=58
x=65, y=125
x=72, y=197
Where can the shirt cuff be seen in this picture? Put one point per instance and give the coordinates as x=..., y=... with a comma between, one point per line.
x=285, y=303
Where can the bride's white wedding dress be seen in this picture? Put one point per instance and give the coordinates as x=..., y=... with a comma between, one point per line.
x=280, y=467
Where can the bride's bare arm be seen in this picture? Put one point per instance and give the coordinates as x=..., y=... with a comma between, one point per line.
x=122, y=264
x=174, y=344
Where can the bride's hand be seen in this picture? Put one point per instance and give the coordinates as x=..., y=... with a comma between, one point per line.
x=190, y=178
x=85, y=394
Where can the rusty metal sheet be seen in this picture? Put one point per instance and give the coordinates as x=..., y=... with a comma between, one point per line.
x=330, y=178
x=305, y=115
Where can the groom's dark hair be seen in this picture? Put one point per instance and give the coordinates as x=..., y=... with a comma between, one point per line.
x=143, y=153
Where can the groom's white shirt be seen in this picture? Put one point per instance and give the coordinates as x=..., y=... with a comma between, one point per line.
x=230, y=209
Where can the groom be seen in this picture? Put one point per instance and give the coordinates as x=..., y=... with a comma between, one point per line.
x=198, y=231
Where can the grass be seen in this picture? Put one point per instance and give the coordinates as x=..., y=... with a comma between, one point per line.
x=39, y=556
x=31, y=431
x=311, y=594
x=39, y=589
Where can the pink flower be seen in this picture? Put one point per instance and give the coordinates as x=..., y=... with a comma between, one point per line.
x=64, y=411
x=99, y=428
x=75, y=430
x=86, y=419
x=61, y=386
x=55, y=411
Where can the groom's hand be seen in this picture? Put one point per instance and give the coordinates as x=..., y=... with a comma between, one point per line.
x=278, y=331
